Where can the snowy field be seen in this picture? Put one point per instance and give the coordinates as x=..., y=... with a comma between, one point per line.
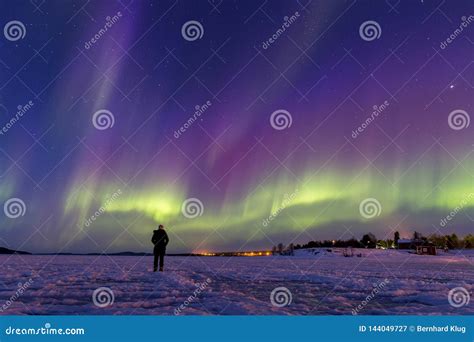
x=319, y=283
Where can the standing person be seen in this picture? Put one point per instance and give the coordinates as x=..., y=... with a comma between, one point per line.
x=160, y=240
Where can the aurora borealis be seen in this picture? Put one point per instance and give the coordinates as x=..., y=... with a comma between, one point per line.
x=219, y=90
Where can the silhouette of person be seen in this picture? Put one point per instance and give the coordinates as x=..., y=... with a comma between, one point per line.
x=160, y=240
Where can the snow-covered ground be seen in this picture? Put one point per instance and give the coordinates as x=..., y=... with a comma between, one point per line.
x=318, y=282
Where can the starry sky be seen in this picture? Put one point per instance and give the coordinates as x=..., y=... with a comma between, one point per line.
x=210, y=118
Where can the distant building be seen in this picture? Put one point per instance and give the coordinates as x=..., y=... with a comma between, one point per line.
x=426, y=250
x=410, y=243
x=422, y=247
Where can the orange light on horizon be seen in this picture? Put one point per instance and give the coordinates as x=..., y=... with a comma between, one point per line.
x=247, y=254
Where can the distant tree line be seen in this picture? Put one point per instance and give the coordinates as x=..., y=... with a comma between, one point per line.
x=452, y=241
x=369, y=240
x=281, y=249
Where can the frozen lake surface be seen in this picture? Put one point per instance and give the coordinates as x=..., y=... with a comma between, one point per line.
x=379, y=282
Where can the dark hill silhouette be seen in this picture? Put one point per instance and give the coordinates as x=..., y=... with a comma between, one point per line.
x=4, y=250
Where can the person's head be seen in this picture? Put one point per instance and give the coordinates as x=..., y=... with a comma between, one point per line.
x=161, y=227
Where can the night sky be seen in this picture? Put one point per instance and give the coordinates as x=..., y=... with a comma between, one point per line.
x=99, y=154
